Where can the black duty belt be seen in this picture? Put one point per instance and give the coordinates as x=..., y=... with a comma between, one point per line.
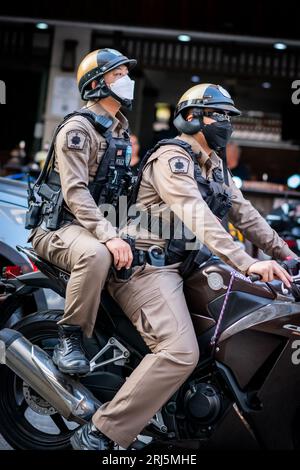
x=139, y=258
x=156, y=256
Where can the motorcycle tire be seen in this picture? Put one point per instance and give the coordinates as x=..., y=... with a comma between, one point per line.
x=31, y=423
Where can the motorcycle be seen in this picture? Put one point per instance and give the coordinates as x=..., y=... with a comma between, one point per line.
x=243, y=394
x=285, y=220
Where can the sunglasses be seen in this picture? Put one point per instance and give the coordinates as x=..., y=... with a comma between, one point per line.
x=220, y=117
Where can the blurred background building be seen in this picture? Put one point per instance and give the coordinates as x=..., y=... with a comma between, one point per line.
x=178, y=43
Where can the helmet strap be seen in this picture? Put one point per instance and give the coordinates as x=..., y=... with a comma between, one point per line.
x=123, y=101
x=103, y=91
x=188, y=127
x=98, y=93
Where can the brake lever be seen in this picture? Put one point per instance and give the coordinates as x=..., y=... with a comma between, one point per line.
x=258, y=277
x=285, y=290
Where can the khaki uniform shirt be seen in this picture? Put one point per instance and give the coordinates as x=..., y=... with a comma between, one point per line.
x=79, y=149
x=168, y=181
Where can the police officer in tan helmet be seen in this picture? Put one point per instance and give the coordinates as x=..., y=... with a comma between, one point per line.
x=74, y=234
x=185, y=175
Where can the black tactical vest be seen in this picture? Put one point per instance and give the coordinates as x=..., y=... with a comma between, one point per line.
x=214, y=192
x=113, y=177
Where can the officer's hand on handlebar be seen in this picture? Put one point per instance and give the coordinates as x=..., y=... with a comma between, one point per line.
x=270, y=270
x=121, y=252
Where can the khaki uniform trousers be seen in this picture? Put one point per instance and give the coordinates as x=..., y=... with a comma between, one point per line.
x=74, y=249
x=153, y=300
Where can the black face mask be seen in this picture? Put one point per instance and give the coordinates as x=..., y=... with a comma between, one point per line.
x=217, y=134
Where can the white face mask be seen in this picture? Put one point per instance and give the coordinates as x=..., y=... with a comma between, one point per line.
x=124, y=87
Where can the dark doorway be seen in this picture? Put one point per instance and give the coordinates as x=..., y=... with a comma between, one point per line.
x=25, y=60
x=18, y=116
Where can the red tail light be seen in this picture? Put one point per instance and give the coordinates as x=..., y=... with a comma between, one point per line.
x=9, y=272
x=34, y=267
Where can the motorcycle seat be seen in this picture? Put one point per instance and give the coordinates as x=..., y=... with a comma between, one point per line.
x=38, y=261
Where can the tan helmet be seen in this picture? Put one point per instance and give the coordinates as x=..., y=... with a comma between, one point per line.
x=207, y=95
x=94, y=66
x=203, y=96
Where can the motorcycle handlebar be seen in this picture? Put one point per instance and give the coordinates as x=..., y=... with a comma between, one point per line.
x=255, y=277
x=294, y=290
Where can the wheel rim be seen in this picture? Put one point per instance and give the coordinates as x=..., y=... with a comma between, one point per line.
x=32, y=430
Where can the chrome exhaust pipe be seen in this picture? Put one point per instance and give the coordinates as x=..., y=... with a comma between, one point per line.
x=69, y=397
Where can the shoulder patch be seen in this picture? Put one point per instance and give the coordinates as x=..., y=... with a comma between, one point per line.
x=179, y=164
x=76, y=139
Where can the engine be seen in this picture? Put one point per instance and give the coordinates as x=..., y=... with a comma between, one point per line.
x=203, y=403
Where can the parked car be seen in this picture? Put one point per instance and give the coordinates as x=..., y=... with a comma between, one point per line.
x=13, y=205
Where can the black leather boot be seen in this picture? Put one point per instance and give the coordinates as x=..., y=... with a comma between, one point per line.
x=68, y=355
x=88, y=437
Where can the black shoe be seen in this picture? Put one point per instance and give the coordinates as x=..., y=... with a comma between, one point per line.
x=88, y=437
x=68, y=355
